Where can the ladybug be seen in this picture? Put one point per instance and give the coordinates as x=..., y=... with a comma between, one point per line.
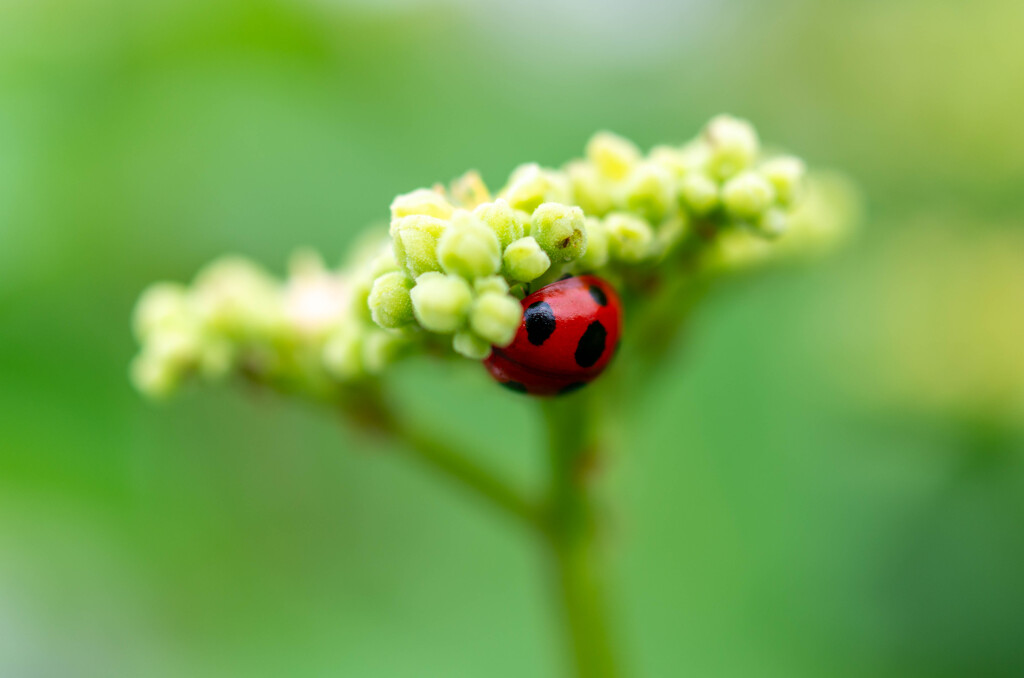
x=569, y=332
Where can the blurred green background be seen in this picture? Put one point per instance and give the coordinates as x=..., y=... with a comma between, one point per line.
x=774, y=520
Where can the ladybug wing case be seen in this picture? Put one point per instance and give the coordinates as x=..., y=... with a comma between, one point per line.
x=568, y=335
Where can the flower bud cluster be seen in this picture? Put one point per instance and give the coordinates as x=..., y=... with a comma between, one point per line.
x=465, y=258
x=721, y=179
x=309, y=332
x=460, y=259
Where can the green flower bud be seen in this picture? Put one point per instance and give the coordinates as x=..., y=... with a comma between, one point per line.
x=470, y=345
x=786, y=175
x=530, y=185
x=525, y=260
x=747, y=195
x=679, y=162
x=496, y=318
x=591, y=191
x=414, y=239
x=596, y=255
x=389, y=300
x=422, y=201
x=470, y=190
x=699, y=192
x=493, y=283
x=161, y=306
x=649, y=192
x=612, y=155
x=235, y=296
x=669, y=159
x=630, y=238
x=559, y=231
x=441, y=302
x=508, y=224
x=469, y=248
x=733, y=145
x=166, y=358
x=153, y=378
x=695, y=156
x=773, y=222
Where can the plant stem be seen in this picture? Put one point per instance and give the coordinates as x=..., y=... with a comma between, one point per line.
x=573, y=533
x=371, y=412
x=460, y=468
x=568, y=523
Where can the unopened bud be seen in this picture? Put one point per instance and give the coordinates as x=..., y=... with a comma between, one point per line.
x=559, y=231
x=733, y=145
x=612, y=155
x=525, y=261
x=629, y=237
x=747, y=195
x=422, y=201
x=441, y=302
x=649, y=192
x=699, y=192
x=786, y=175
x=496, y=318
x=470, y=345
x=530, y=185
x=469, y=248
x=414, y=239
x=389, y=300
x=508, y=224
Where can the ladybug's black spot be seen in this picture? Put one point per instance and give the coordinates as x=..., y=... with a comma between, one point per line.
x=599, y=296
x=514, y=386
x=591, y=345
x=540, y=322
x=572, y=387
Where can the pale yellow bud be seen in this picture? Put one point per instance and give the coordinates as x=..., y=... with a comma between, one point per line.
x=530, y=185
x=422, y=201
x=630, y=238
x=414, y=239
x=612, y=155
x=469, y=190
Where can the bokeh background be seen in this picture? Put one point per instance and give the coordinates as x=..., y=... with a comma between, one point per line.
x=826, y=480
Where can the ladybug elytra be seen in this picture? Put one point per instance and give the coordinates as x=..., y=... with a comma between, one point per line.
x=568, y=335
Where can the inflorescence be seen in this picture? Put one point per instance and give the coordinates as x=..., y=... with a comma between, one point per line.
x=460, y=258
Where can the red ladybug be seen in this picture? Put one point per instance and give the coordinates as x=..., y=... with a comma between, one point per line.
x=569, y=333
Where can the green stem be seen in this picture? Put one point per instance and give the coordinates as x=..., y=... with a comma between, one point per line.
x=370, y=411
x=459, y=467
x=568, y=524
x=573, y=534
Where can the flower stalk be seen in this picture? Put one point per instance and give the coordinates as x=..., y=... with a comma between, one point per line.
x=440, y=456
x=574, y=533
